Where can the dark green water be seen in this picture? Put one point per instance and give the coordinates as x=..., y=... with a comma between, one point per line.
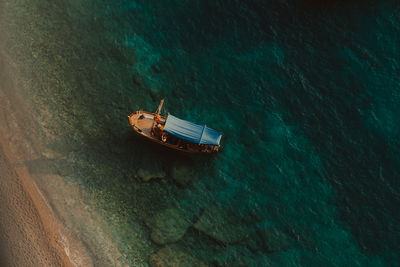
x=305, y=92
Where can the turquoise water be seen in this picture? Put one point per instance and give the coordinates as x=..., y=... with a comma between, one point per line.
x=305, y=92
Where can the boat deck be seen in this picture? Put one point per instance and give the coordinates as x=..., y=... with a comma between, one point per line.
x=144, y=125
x=143, y=122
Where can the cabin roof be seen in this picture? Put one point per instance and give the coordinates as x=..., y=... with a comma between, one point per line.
x=191, y=132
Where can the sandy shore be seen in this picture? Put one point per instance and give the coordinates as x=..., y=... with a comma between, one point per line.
x=30, y=232
x=26, y=237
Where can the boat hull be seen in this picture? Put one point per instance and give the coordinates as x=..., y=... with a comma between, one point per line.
x=143, y=122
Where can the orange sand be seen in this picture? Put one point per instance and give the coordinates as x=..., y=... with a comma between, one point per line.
x=28, y=236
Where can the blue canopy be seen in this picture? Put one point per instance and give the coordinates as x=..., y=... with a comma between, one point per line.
x=191, y=132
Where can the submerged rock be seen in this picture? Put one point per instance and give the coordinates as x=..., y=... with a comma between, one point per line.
x=146, y=174
x=182, y=174
x=221, y=226
x=173, y=257
x=168, y=226
x=237, y=256
x=273, y=240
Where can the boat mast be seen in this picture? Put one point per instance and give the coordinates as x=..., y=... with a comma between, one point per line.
x=158, y=111
x=157, y=116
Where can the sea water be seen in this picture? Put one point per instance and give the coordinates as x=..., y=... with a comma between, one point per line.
x=304, y=92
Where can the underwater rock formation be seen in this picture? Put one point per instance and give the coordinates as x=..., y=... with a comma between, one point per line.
x=146, y=174
x=168, y=226
x=273, y=240
x=217, y=223
x=181, y=174
x=172, y=257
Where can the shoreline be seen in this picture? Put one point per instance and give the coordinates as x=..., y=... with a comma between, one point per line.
x=30, y=228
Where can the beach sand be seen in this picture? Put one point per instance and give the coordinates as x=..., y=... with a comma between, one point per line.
x=30, y=232
x=26, y=238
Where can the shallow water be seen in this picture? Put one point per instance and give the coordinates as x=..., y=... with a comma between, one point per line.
x=305, y=93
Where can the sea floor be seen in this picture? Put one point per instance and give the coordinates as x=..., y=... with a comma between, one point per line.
x=305, y=94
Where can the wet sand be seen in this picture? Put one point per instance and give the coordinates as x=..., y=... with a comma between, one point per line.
x=26, y=238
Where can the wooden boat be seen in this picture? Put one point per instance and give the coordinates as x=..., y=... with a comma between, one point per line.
x=175, y=133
